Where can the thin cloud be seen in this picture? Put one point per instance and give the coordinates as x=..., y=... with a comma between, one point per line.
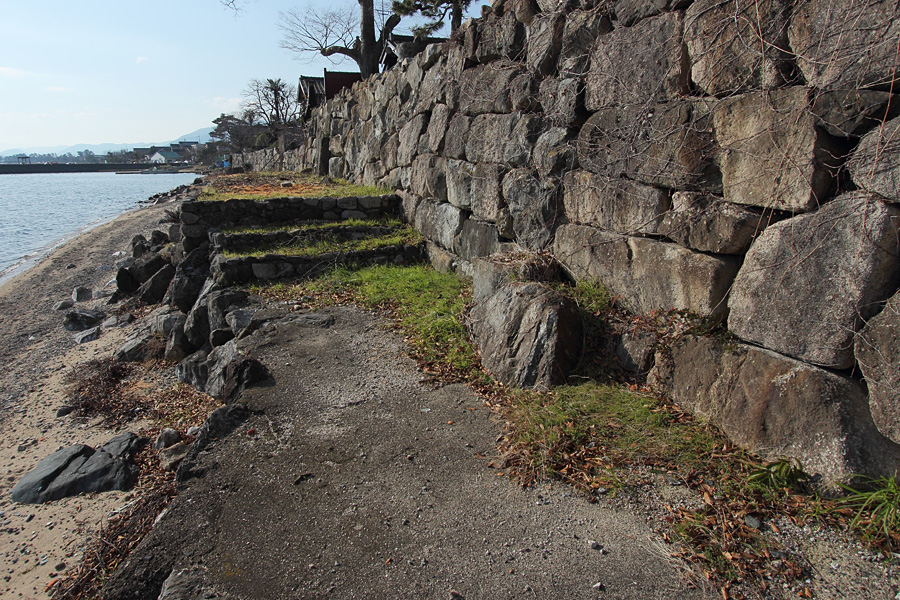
x=11, y=72
x=141, y=59
x=57, y=89
x=223, y=104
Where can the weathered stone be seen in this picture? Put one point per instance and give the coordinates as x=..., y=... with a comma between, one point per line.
x=144, y=268
x=581, y=31
x=554, y=151
x=648, y=275
x=629, y=12
x=459, y=183
x=490, y=273
x=533, y=205
x=488, y=136
x=500, y=37
x=428, y=177
x=778, y=407
x=525, y=10
x=137, y=347
x=876, y=350
x=272, y=270
x=239, y=320
x=668, y=145
x=619, y=205
x=563, y=101
x=336, y=166
x=485, y=88
x=476, y=239
x=773, y=156
x=177, y=347
x=172, y=456
x=846, y=113
x=80, y=319
x=439, y=222
x=153, y=290
x=845, y=45
x=475, y=188
x=736, y=46
x=457, y=136
x=63, y=305
x=196, y=325
x=437, y=129
x=709, y=224
x=82, y=294
x=527, y=335
x=75, y=470
x=636, y=351
x=875, y=165
x=139, y=246
x=523, y=93
x=166, y=437
x=808, y=282
x=653, y=56
x=409, y=139
x=544, y=43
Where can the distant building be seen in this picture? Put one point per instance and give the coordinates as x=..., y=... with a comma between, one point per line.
x=314, y=91
x=165, y=157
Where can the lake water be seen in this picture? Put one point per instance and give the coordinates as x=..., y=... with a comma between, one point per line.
x=37, y=211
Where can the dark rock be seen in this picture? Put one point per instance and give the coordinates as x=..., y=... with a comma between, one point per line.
x=63, y=305
x=533, y=205
x=139, y=346
x=219, y=424
x=172, y=456
x=153, y=290
x=527, y=335
x=219, y=303
x=545, y=36
x=88, y=335
x=139, y=246
x=143, y=269
x=582, y=28
x=613, y=204
x=217, y=337
x=80, y=319
x=709, y=224
x=167, y=437
x=64, y=410
x=636, y=351
x=877, y=351
x=82, y=294
x=476, y=239
x=845, y=113
x=875, y=165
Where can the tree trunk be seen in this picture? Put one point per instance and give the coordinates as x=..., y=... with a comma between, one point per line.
x=369, y=53
x=456, y=15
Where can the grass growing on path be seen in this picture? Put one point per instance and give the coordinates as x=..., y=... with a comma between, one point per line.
x=276, y=227
x=334, y=243
x=265, y=185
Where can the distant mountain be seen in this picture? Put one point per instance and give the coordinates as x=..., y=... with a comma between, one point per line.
x=200, y=135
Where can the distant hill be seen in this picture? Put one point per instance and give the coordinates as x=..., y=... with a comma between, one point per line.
x=200, y=135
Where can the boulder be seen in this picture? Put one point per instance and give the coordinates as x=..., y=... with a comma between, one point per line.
x=527, y=335
x=139, y=246
x=79, y=319
x=523, y=93
x=219, y=303
x=476, y=239
x=172, y=456
x=437, y=129
x=545, y=36
x=143, y=269
x=80, y=469
x=457, y=136
x=736, y=46
x=409, y=139
x=876, y=350
x=82, y=294
x=476, y=188
x=809, y=282
x=778, y=407
x=629, y=12
x=191, y=583
x=845, y=45
x=636, y=351
x=847, y=113
x=500, y=36
x=165, y=320
x=773, y=156
x=506, y=139
x=533, y=204
x=167, y=437
x=646, y=274
x=154, y=289
x=190, y=274
x=563, y=101
x=428, y=177
x=875, y=165
x=581, y=30
x=709, y=224
x=651, y=53
x=439, y=222
x=667, y=145
x=619, y=205
x=88, y=335
x=485, y=88
x=555, y=151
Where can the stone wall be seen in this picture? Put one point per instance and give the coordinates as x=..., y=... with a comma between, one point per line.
x=729, y=158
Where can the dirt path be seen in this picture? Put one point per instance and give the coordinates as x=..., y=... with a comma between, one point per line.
x=353, y=479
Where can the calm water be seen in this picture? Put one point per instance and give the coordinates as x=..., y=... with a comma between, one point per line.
x=37, y=211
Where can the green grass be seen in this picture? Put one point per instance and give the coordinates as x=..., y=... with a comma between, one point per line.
x=266, y=185
x=426, y=305
x=876, y=508
x=333, y=243
x=276, y=227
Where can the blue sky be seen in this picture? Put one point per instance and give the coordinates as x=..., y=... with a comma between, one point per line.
x=120, y=71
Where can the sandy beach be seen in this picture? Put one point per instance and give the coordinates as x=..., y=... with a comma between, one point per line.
x=38, y=542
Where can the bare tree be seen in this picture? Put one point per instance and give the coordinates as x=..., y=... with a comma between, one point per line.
x=335, y=32
x=274, y=102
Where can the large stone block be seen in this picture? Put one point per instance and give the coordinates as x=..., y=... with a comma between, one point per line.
x=527, y=335
x=778, y=407
x=533, y=206
x=648, y=275
x=877, y=349
x=618, y=205
x=875, y=165
x=848, y=113
x=709, y=224
x=563, y=101
x=773, y=156
x=485, y=88
x=808, y=282
x=428, y=177
x=582, y=28
x=437, y=128
x=846, y=45
x=668, y=145
x=459, y=183
x=555, y=151
x=634, y=65
x=476, y=239
x=409, y=139
x=500, y=36
x=457, y=136
x=506, y=139
x=737, y=46
x=476, y=188
x=629, y=12
x=439, y=222
x=544, y=43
